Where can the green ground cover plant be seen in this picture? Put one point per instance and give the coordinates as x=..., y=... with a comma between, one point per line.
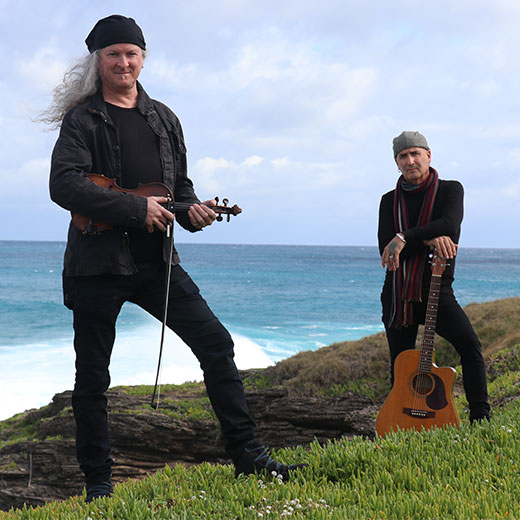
x=466, y=473
x=470, y=473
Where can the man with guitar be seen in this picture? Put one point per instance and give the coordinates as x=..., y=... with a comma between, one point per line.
x=110, y=126
x=424, y=213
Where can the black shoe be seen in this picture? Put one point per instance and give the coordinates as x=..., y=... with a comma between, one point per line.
x=255, y=459
x=99, y=490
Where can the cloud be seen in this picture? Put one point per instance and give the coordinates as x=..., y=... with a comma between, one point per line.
x=43, y=71
x=294, y=102
x=513, y=159
x=27, y=184
x=254, y=160
x=273, y=81
x=175, y=75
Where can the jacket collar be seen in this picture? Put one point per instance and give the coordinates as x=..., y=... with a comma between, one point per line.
x=144, y=102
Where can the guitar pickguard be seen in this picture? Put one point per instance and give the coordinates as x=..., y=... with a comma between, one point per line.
x=437, y=399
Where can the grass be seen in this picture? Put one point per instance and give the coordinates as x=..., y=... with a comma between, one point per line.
x=189, y=388
x=469, y=473
x=18, y=428
x=464, y=474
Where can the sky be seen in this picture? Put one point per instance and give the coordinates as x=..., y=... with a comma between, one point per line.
x=288, y=108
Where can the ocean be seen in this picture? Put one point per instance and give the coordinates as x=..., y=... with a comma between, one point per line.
x=275, y=300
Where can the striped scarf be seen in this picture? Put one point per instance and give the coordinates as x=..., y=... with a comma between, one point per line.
x=407, y=285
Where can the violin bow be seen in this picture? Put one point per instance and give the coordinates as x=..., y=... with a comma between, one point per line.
x=157, y=386
x=235, y=210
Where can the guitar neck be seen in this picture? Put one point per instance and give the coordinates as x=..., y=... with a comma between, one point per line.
x=430, y=321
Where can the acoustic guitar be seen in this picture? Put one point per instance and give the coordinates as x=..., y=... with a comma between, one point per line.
x=422, y=395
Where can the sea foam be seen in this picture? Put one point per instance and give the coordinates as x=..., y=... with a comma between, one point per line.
x=40, y=370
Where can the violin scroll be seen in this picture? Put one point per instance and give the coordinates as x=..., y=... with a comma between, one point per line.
x=225, y=209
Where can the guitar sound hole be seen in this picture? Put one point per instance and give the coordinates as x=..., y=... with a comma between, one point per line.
x=423, y=383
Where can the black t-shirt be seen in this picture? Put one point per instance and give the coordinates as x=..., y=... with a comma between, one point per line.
x=140, y=164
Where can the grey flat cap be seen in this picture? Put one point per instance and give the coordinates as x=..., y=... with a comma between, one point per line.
x=409, y=139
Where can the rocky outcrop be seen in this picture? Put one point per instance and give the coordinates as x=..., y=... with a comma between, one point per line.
x=144, y=440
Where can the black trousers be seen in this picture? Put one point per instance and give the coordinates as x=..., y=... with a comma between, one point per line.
x=454, y=326
x=96, y=302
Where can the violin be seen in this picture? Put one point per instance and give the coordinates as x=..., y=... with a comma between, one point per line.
x=152, y=189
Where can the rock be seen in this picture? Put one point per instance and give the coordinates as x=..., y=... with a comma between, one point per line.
x=144, y=440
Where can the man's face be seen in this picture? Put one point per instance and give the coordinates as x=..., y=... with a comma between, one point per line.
x=120, y=65
x=414, y=164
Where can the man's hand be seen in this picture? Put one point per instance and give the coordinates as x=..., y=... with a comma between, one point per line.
x=157, y=216
x=390, y=257
x=444, y=245
x=202, y=215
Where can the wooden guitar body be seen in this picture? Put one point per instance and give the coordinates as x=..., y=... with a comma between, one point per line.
x=418, y=400
x=422, y=395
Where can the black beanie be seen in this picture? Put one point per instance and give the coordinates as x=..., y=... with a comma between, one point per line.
x=115, y=29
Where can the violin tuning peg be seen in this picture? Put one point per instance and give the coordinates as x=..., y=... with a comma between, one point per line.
x=225, y=202
x=228, y=217
x=219, y=218
x=216, y=199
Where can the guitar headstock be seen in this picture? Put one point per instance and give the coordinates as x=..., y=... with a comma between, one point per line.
x=224, y=209
x=438, y=262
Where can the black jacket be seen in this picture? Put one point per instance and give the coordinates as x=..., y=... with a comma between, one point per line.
x=89, y=143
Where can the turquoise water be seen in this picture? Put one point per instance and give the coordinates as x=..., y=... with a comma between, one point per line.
x=275, y=300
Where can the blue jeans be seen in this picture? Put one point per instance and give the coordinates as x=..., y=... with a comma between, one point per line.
x=96, y=302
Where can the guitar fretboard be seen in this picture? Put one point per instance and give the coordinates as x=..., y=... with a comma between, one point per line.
x=430, y=320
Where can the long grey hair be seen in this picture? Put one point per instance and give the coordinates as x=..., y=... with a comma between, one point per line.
x=79, y=81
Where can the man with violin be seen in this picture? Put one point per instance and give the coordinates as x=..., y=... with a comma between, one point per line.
x=424, y=212
x=110, y=126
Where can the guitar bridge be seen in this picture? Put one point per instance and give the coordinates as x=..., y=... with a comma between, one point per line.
x=419, y=414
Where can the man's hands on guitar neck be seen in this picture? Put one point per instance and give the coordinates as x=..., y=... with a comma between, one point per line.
x=445, y=246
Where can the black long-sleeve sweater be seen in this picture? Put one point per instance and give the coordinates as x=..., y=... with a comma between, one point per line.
x=448, y=210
